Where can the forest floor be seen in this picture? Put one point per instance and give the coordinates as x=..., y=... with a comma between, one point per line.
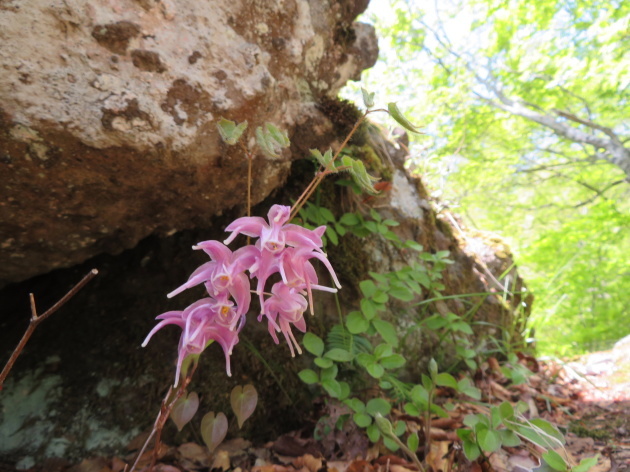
x=587, y=397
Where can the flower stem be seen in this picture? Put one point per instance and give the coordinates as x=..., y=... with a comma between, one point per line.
x=323, y=172
x=160, y=421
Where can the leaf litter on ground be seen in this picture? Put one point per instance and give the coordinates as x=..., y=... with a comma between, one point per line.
x=588, y=398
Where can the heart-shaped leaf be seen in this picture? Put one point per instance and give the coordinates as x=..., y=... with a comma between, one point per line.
x=184, y=409
x=243, y=401
x=213, y=429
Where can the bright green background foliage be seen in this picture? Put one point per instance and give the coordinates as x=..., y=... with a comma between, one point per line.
x=526, y=111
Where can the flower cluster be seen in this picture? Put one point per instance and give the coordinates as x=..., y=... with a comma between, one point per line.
x=281, y=248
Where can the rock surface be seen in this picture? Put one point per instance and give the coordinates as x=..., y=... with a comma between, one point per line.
x=108, y=113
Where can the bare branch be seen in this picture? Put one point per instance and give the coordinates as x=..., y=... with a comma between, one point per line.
x=36, y=320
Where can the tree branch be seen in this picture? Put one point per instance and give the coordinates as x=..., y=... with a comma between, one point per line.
x=36, y=320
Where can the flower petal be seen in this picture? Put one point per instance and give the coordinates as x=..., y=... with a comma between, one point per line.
x=247, y=225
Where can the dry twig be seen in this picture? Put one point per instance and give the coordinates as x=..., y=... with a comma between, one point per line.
x=36, y=320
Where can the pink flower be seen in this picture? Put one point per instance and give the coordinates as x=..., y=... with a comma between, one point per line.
x=275, y=235
x=201, y=324
x=299, y=273
x=225, y=272
x=284, y=308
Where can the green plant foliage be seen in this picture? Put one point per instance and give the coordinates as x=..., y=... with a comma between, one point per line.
x=526, y=107
x=347, y=355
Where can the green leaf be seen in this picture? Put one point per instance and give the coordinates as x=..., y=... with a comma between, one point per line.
x=368, y=288
x=308, y=376
x=413, y=442
x=586, y=464
x=327, y=214
x=467, y=388
x=386, y=330
x=400, y=119
x=264, y=144
x=506, y=410
x=229, y=131
x=323, y=362
x=392, y=362
x=390, y=444
x=549, y=429
x=355, y=404
x=368, y=98
x=368, y=308
x=322, y=159
x=280, y=137
x=401, y=292
x=420, y=395
x=373, y=433
x=365, y=359
x=339, y=355
x=332, y=236
x=411, y=409
x=489, y=440
x=399, y=428
x=356, y=322
x=471, y=450
x=554, y=460
x=332, y=387
x=361, y=177
x=463, y=327
x=345, y=390
x=446, y=380
x=380, y=297
x=330, y=372
x=378, y=405
x=213, y=429
x=375, y=215
x=391, y=223
x=349, y=219
x=435, y=322
x=464, y=434
x=362, y=420
x=509, y=438
x=438, y=410
x=383, y=350
x=375, y=370
x=414, y=245
x=243, y=401
x=313, y=344
x=471, y=420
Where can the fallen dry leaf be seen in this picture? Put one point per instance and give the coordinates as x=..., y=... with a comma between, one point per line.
x=311, y=463
x=221, y=460
x=438, y=454
x=360, y=466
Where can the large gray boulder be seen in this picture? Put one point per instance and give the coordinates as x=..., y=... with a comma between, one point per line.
x=108, y=113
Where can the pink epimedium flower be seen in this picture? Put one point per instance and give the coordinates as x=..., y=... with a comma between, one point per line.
x=297, y=272
x=201, y=324
x=275, y=235
x=285, y=307
x=225, y=272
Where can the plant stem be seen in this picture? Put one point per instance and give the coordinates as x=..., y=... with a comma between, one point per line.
x=328, y=170
x=412, y=455
x=160, y=421
x=36, y=320
x=427, y=424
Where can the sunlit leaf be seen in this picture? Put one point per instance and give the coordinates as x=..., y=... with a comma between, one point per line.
x=400, y=119
x=231, y=132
